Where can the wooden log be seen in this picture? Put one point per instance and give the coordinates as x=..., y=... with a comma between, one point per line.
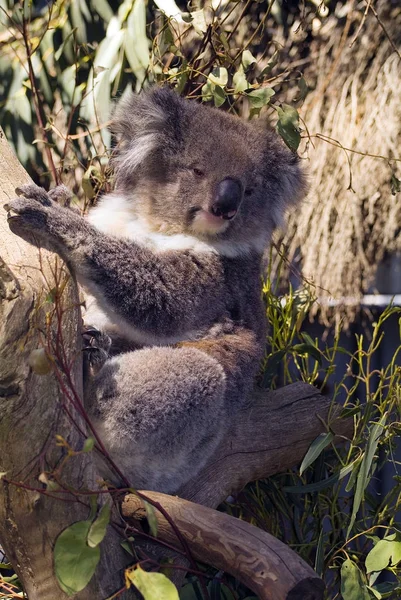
x=260, y=561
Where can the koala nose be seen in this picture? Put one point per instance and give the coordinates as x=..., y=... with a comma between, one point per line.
x=227, y=198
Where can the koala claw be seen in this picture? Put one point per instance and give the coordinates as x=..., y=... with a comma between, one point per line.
x=61, y=194
x=97, y=347
x=34, y=192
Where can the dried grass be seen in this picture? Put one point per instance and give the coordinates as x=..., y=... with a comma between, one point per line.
x=350, y=219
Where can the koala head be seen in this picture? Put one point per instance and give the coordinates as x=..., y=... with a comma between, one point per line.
x=193, y=169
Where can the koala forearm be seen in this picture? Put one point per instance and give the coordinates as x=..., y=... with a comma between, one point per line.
x=162, y=293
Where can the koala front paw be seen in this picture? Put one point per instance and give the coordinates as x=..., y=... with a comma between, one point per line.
x=96, y=349
x=29, y=211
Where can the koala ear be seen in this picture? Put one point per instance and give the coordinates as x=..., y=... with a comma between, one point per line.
x=287, y=178
x=144, y=124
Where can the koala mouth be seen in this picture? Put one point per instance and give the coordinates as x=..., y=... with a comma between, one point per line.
x=227, y=216
x=208, y=222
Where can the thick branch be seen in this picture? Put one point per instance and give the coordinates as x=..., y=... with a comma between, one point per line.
x=269, y=436
x=263, y=563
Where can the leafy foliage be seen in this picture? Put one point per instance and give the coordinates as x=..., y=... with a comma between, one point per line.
x=75, y=560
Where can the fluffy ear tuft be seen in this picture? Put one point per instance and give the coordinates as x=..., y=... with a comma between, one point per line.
x=288, y=182
x=145, y=123
x=294, y=187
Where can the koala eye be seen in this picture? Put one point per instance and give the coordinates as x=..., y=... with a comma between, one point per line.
x=198, y=172
x=249, y=191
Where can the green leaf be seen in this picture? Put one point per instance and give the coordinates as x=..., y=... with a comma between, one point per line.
x=219, y=96
x=319, y=559
x=219, y=76
x=74, y=561
x=270, y=65
x=153, y=586
x=354, y=475
x=387, y=589
x=239, y=80
x=126, y=544
x=88, y=444
x=260, y=98
x=136, y=43
x=317, y=446
x=98, y=528
x=170, y=9
x=319, y=485
x=288, y=126
x=199, y=21
x=67, y=39
x=51, y=296
x=303, y=89
x=272, y=365
x=151, y=517
x=308, y=349
x=365, y=469
x=352, y=586
x=207, y=91
x=247, y=59
x=386, y=553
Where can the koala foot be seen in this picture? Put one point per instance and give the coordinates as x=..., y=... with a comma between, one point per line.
x=96, y=348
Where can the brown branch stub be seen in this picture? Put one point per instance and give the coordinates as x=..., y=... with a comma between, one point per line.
x=260, y=561
x=263, y=441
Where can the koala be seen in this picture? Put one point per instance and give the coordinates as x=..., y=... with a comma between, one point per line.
x=171, y=260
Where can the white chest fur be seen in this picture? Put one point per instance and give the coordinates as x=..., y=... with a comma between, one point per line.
x=114, y=216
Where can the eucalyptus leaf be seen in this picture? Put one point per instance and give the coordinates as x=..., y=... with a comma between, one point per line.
x=310, y=349
x=136, y=43
x=352, y=586
x=239, y=80
x=317, y=486
x=219, y=76
x=386, y=553
x=170, y=9
x=247, y=59
x=315, y=449
x=153, y=586
x=199, y=21
x=151, y=517
x=260, y=98
x=364, y=474
x=288, y=126
x=74, y=561
x=219, y=96
x=98, y=528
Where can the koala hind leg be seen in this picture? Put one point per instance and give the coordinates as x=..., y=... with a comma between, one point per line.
x=159, y=412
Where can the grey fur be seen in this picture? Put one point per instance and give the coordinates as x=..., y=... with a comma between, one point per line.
x=162, y=410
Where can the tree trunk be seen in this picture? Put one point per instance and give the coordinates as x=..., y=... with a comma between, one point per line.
x=34, y=409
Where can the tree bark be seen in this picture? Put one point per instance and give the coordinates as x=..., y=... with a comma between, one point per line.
x=32, y=411
x=269, y=435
